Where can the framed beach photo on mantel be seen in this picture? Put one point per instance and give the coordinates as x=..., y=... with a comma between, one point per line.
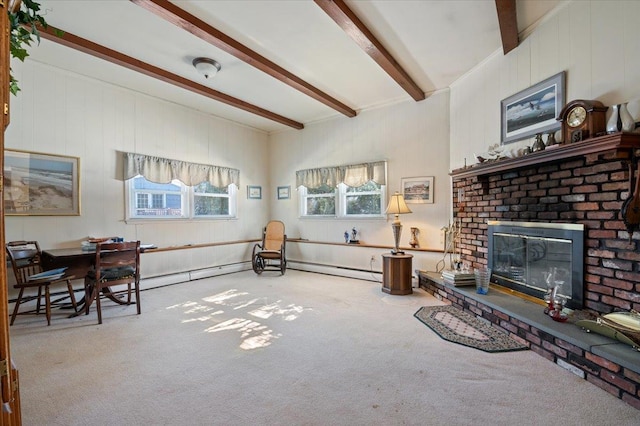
x=533, y=110
x=37, y=184
x=418, y=190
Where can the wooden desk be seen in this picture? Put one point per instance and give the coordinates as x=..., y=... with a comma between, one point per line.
x=396, y=273
x=77, y=261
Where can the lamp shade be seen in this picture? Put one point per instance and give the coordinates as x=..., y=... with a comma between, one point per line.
x=207, y=67
x=397, y=205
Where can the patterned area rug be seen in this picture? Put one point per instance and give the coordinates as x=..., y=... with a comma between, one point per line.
x=458, y=326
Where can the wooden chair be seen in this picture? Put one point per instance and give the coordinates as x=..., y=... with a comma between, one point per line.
x=25, y=259
x=116, y=276
x=271, y=253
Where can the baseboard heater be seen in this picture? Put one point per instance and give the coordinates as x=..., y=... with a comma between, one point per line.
x=181, y=277
x=340, y=271
x=197, y=274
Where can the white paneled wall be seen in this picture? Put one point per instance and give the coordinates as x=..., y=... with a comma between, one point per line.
x=597, y=43
x=412, y=136
x=62, y=113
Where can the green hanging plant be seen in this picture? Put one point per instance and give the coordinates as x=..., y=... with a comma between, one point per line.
x=24, y=28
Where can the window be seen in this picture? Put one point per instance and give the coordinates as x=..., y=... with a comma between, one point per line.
x=211, y=201
x=364, y=200
x=175, y=200
x=343, y=201
x=320, y=201
x=353, y=190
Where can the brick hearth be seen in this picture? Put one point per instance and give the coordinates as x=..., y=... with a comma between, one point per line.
x=607, y=363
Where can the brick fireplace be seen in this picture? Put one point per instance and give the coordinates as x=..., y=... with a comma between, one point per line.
x=589, y=189
x=581, y=183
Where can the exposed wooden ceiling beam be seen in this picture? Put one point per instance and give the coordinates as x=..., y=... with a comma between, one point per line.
x=349, y=22
x=70, y=40
x=508, y=20
x=171, y=13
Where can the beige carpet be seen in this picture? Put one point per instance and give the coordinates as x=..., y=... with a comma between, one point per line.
x=299, y=349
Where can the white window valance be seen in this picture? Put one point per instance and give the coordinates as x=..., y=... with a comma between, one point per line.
x=351, y=175
x=164, y=170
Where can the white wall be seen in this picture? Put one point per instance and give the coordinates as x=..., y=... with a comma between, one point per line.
x=412, y=136
x=596, y=42
x=58, y=112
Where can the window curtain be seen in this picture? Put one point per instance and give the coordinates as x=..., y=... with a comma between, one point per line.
x=163, y=170
x=352, y=175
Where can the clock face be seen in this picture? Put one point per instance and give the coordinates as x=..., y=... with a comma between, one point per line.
x=576, y=116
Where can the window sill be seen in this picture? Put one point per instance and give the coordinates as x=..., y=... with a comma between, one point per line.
x=333, y=218
x=148, y=221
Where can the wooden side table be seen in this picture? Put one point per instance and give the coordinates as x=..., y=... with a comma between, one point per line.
x=396, y=273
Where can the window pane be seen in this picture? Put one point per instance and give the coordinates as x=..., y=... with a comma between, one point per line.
x=140, y=182
x=157, y=201
x=165, y=198
x=363, y=204
x=324, y=189
x=174, y=201
x=211, y=206
x=141, y=201
x=321, y=206
x=207, y=188
x=367, y=187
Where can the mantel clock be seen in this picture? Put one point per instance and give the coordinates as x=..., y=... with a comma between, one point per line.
x=582, y=119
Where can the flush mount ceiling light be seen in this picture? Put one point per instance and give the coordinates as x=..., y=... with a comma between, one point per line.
x=207, y=67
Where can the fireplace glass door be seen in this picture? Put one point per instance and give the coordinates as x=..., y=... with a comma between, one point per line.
x=534, y=262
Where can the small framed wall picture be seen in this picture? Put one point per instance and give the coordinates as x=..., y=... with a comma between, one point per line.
x=254, y=192
x=284, y=192
x=418, y=190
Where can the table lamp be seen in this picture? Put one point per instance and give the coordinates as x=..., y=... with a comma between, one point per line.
x=397, y=206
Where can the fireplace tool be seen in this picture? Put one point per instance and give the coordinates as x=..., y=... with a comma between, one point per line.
x=451, y=246
x=631, y=207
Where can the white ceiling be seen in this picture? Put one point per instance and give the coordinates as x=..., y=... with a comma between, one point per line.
x=435, y=41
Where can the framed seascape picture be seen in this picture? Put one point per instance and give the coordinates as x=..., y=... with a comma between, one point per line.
x=37, y=184
x=533, y=110
x=418, y=189
x=254, y=192
x=284, y=192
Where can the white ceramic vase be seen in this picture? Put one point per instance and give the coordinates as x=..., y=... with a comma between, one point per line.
x=612, y=123
x=620, y=120
x=627, y=121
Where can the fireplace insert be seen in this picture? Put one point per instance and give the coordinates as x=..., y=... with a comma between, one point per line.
x=532, y=258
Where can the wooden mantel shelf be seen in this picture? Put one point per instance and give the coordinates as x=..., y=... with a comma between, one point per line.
x=626, y=142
